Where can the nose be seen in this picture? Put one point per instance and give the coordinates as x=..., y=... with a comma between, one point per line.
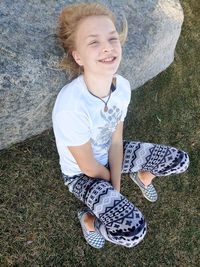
x=107, y=47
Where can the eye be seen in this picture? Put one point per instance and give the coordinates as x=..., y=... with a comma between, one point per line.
x=93, y=43
x=114, y=38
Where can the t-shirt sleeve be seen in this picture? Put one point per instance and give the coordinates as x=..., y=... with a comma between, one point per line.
x=71, y=128
x=126, y=101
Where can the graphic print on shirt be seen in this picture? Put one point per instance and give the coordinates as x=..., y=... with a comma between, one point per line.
x=111, y=118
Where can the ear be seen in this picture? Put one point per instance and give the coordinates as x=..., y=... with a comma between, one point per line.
x=77, y=58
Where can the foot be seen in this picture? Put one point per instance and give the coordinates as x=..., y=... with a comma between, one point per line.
x=145, y=177
x=93, y=238
x=88, y=220
x=149, y=191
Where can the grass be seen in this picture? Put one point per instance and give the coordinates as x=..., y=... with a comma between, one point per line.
x=39, y=224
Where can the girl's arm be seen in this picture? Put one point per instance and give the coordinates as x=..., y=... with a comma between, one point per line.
x=83, y=155
x=116, y=156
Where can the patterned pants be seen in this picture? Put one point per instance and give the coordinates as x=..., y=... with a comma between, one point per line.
x=117, y=219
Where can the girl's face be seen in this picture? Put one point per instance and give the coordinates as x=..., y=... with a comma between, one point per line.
x=98, y=48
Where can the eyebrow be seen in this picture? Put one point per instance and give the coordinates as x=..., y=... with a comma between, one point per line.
x=96, y=35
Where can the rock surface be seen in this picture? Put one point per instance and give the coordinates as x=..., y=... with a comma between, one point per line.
x=29, y=53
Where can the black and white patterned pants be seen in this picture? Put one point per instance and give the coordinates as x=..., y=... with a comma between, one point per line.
x=117, y=219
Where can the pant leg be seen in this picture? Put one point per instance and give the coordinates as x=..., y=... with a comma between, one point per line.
x=160, y=160
x=118, y=220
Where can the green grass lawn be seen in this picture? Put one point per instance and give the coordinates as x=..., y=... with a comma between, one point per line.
x=39, y=225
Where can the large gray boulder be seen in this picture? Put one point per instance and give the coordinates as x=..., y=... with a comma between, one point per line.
x=29, y=75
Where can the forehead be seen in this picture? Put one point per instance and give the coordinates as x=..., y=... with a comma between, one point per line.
x=95, y=25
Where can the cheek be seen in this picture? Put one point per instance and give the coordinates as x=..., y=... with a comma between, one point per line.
x=92, y=54
x=119, y=50
x=120, y=47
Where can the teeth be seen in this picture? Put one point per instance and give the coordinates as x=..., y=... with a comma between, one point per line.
x=108, y=59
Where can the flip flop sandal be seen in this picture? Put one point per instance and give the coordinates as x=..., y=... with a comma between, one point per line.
x=93, y=238
x=149, y=192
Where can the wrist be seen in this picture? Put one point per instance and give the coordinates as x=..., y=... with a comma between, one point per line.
x=107, y=175
x=117, y=187
x=116, y=183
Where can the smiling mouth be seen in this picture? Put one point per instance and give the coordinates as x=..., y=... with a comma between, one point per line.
x=108, y=60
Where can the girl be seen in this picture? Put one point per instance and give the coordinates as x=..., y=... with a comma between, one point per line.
x=88, y=121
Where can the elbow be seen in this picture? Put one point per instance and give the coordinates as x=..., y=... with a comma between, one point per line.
x=91, y=171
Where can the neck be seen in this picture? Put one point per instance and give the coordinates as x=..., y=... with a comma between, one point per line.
x=98, y=85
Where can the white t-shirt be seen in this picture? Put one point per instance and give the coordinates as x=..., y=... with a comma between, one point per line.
x=78, y=117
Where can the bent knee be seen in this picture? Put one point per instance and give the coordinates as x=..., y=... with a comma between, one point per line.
x=183, y=162
x=131, y=236
x=137, y=237
x=175, y=163
x=186, y=161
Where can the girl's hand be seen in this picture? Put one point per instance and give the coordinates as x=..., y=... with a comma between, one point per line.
x=84, y=157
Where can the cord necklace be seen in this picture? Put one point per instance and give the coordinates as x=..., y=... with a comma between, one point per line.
x=112, y=88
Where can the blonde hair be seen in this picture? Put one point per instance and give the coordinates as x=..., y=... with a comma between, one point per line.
x=68, y=23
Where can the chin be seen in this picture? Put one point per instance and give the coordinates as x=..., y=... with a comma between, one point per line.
x=111, y=71
x=108, y=73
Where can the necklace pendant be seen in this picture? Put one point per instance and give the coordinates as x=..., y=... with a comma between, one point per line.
x=105, y=108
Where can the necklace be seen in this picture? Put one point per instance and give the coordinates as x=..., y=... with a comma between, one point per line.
x=105, y=102
x=112, y=88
